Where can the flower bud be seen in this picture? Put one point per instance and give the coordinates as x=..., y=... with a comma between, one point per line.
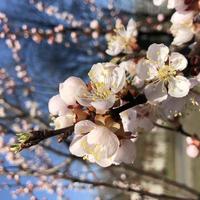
x=68, y=89
x=192, y=151
x=57, y=106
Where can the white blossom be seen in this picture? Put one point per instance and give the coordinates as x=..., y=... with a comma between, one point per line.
x=95, y=143
x=107, y=80
x=163, y=73
x=124, y=39
x=182, y=27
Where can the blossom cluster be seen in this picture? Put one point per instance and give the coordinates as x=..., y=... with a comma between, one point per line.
x=183, y=27
x=105, y=139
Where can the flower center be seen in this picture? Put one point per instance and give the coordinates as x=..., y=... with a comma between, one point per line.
x=94, y=150
x=166, y=72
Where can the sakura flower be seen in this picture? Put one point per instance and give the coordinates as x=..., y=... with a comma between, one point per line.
x=182, y=27
x=124, y=40
x=57, y=106
x=107, y=80
x=68, y=89
x=94, y=142
x=177, y=4
x=162, y=73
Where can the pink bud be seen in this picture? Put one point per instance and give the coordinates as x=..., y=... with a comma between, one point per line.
x=69, y=88
x=57, y=106
x=189, y=140
x=192, y=151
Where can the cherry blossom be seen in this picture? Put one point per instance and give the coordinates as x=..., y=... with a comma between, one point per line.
x=107, y=80
x=182, y=27
x=124, y=39
x=95, y=143
x=162, y=72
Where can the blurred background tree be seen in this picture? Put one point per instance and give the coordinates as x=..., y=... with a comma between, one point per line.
x=44, y=42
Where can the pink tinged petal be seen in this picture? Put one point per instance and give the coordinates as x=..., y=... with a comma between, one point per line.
x=83, y=96
x=128, y=66
x=105, y=162
x=178, y=86
x=156, y=92
x=131, y=28
x=189, y=140
x=128, y=118
x=158, y=53
x=181, y=34
x=118, y=79
x=171, y=4
x=137, y=82
x=158, y=2
x=76, y=147
x=107, y=140
x=178, y=61
x=65, y=120
x=101, y=73
x=192, y=151
x=183, y=17
x=57, y=106
x=177, y=4
x=102, y=106
x=115, y=47
x=146, y=70
x=126, y=152
x=68, y=89
x=83, y=127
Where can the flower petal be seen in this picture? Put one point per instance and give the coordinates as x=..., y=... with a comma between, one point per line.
x=178, y=61
x=131, y=28
x=128, y=118
x=102, y=106
x=105, y=162
x=181, y=34
x=65, y=120
x=68, y=89
x=128, y=66
x=118, y=79
x=156, y=92
x=76, y=147
x=57, y=106
x=178, y=86
x=107, y=140
x=126, y=152
x=84, y=126
x=146, y=70
x=158, y=53
x=115, y=47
